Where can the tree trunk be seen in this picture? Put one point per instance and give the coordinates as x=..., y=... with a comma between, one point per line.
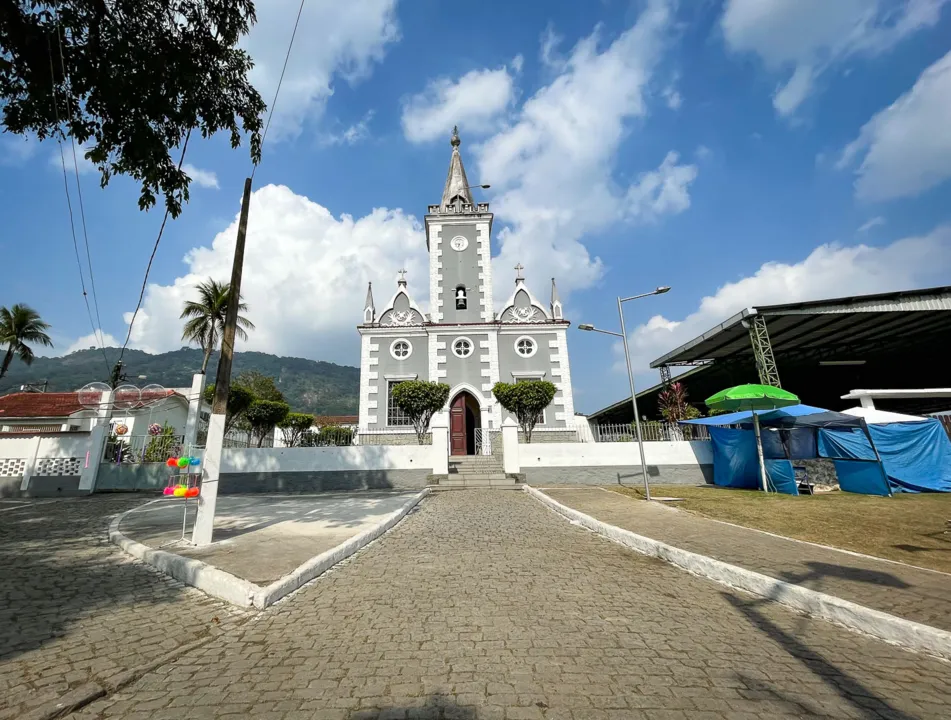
x=204, y=362
x=6, y=361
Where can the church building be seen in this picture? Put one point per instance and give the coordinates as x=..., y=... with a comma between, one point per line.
x=462, y=341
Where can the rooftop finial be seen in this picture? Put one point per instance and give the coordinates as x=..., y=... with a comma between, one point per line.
x=402, y=278
x=518, y=272
x=455, y=142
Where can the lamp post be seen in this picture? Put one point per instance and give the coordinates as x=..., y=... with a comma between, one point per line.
x=630, y=373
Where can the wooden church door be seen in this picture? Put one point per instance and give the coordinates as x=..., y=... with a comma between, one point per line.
x=457, y=425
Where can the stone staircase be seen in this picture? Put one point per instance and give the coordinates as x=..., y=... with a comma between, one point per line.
x=475, y=471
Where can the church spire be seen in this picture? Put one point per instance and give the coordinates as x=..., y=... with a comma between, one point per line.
x=556, y=311
x=457, y=185
x=369, y=311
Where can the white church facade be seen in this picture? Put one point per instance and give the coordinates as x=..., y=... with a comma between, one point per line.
x=462, y=341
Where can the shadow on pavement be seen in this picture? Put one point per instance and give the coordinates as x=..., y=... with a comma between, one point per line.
x=819, y=570
x=436, y=707
x=60, y=577
x=866, y=702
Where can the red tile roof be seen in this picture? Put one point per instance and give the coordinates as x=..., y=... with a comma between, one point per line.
x=339, y=419
x=37, y=405
x=32, y=405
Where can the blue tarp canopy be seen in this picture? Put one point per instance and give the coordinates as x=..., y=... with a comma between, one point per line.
x=798, y=432
x=916, y=455
x=745, y=417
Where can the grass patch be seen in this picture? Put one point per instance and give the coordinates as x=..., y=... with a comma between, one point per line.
x=908, y=528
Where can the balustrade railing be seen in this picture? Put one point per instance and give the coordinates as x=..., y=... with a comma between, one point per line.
x=651, y=431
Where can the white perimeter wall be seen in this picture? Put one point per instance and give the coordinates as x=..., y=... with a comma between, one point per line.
x=609, y=454
x=357, y=457
x=51, y=446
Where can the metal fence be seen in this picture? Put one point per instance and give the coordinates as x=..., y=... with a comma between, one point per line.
x=235, y=437
x=133, y=449
x=651, y=431
x=483, y=441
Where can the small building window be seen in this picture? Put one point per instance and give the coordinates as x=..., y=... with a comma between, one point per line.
x=526, y=346
x=401, y=349
x=462, y=347
x=461, y=300
x=394, y=413
x=541, y=415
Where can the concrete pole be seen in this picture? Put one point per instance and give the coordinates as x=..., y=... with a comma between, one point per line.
x=194, y=410
x=211, y=466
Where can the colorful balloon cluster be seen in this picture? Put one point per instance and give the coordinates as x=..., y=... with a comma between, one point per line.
x=183, y=462
x=181, y=491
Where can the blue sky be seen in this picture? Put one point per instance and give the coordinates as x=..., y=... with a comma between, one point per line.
x=744, y=152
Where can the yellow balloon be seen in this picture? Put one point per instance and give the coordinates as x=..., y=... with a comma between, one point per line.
x=179, y=491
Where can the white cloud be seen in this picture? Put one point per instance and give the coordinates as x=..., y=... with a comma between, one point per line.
x=874, y=222
x=906, y=146
x=81, y=163
x=358, y=132
x=202, y=178
x=808, y=36
x=17, y=149
x=828, y=271
x=95, y=341
x=548, y=52
x=335, y=38
x=673, y=97
x=663, y=191
x=305, y=276
x=552, y=169
x=475, y=102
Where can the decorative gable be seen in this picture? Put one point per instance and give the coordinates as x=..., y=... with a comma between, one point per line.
x=401, y=310
x=523, y=307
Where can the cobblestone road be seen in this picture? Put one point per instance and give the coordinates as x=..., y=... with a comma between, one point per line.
x=486, y=605
x=75, y=609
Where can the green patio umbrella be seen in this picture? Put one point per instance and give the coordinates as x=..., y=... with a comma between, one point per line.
x=753, y=397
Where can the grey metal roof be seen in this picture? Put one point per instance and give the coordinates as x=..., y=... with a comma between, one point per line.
x=860, y=322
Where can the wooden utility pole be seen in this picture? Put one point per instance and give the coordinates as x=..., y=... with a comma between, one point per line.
x=211, y=464
x=223, y=377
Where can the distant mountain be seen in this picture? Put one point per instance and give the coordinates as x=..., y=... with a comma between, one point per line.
x=309, y=385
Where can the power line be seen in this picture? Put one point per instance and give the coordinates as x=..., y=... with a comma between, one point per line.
x=82, y=209
x=148, y=267
x=280, y=81
x=69, y=206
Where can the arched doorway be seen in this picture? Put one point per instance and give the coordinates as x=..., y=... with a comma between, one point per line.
x=465, y=416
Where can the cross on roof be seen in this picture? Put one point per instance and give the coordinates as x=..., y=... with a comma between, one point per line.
x=518, y=271
x=402, y=273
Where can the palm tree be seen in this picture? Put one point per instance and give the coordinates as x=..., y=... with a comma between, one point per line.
x=207, y=317
x=20, y=325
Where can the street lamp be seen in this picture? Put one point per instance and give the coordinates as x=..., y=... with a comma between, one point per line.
x=630, y=372
x=484, y=187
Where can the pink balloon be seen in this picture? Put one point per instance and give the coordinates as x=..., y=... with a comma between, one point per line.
x=168, y=491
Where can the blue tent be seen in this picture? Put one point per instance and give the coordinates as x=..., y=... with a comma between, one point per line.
x=916, y=455
x=798, y=435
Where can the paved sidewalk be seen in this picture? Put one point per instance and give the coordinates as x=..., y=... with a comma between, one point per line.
x=920, y=595
x=261, y=538
x=485, y=605
x=75, y=609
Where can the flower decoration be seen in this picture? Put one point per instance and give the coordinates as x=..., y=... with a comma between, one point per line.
x=155, y=429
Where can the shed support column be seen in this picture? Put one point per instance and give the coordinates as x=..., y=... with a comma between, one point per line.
x=763, y=352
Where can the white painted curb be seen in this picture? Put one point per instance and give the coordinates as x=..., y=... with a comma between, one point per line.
x=228, y=587
x=876, y=623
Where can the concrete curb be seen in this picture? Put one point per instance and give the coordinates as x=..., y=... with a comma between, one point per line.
x=891, y=629
x=235, y=590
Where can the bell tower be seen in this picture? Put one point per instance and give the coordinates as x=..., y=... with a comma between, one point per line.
x=460, y=254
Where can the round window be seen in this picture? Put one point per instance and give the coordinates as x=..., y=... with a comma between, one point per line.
x=462, y=347
x=525, y=346
x=401, y=349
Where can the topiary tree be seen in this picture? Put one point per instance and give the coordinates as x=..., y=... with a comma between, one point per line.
x=239, y=400
x=334, y=436
x=264, y=415
x=294, y=426
x=419, y=399
x=526, y=401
